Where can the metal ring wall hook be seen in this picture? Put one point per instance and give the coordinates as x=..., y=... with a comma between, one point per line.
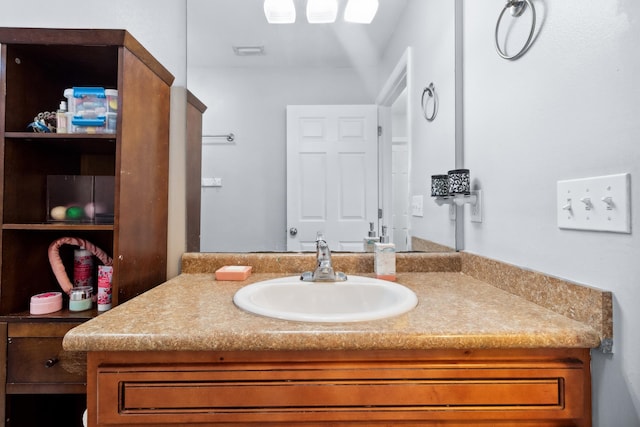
x=518, y=9
x=431, y=92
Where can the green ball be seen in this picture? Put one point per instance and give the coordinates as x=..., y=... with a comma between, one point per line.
x=75, y=212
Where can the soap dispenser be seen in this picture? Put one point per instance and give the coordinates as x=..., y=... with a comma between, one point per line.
x=371, y=239
x=385, y=258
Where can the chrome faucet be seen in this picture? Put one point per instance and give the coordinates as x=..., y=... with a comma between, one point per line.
x=324, y=268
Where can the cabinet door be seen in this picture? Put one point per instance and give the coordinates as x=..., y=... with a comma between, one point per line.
x=36, y=362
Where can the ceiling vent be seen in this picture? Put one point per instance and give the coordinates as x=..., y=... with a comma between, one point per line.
x=248, y=50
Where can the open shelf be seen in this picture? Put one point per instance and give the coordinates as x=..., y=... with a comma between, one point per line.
x=64, y=315
x=34, y=136
x=59, y=227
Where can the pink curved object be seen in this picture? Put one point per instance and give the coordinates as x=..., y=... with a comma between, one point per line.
x=58, y=267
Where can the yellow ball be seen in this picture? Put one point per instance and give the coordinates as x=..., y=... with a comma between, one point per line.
x=59, y=213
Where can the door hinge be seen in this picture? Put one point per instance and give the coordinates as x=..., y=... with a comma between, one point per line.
x=379, y=130
x=379, y=213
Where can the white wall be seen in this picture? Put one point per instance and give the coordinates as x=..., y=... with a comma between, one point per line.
x=428, y=27
x=569, y=108
x=248, y=213
x=160, y=26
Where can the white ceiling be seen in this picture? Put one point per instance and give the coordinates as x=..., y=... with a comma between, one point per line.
x=215, y=26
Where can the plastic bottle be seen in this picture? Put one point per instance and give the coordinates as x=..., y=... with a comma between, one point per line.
x=61, y=118
x=105, y=277
x=371, y=239
x=82, y=267
x=385, y=258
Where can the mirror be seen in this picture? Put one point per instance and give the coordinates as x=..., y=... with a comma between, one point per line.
x=320, y=64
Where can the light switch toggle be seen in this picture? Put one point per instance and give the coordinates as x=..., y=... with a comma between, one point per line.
x=587, y=203
x=600, y=203
x=567, y=207
x=609, y=202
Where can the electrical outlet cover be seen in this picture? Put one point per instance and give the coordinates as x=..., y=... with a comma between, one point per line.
x=417, y=205
x=475, y=210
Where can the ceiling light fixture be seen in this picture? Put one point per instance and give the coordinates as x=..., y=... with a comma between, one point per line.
x=361, y=11
x=280, y=11
x=322, y=11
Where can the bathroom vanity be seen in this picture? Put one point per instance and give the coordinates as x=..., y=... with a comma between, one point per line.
x=468, y=354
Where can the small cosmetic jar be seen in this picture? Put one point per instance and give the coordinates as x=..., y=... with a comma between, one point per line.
x=459, y=182
x=80, y=298
x=439, y=185
x=46, y=303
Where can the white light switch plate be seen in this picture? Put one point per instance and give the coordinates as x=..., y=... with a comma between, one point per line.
x=600, y=203
x=417, y=205
x=212, y=182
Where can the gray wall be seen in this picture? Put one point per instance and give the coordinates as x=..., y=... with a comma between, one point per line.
x=568, y=109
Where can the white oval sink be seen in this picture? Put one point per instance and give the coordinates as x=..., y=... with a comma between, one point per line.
x=357, y=299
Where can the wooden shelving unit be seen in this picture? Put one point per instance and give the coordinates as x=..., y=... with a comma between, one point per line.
x=36, y=65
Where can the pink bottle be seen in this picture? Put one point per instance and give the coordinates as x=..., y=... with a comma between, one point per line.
x=82, y=267
x=105, y=277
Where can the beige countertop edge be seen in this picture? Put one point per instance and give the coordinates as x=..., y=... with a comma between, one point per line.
x=583, y=303
x=194, y=312
x=296, y=262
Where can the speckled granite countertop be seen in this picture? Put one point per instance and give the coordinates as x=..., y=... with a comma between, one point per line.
x=194, y=312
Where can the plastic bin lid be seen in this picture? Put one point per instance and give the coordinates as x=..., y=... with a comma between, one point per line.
x=84, y=91
x=79, y=92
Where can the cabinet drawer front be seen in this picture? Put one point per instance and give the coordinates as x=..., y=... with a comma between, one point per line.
x=308, y=395
x=384, y=395
x=42, y=360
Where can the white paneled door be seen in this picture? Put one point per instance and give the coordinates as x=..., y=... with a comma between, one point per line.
x=332, y=175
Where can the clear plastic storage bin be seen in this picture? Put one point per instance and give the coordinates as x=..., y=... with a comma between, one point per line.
x=92, y=109
x=80, y=198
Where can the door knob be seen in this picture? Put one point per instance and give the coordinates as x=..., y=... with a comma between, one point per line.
x=293, y=231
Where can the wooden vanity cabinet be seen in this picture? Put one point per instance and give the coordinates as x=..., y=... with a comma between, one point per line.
x=548, y=387
x=36, y=66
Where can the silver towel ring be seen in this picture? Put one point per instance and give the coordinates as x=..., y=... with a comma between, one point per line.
x=431, y=92
x=518, y=9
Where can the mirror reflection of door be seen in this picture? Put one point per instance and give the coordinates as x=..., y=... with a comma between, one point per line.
x=395, y=153
x=332, y=175
x=400, y=173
